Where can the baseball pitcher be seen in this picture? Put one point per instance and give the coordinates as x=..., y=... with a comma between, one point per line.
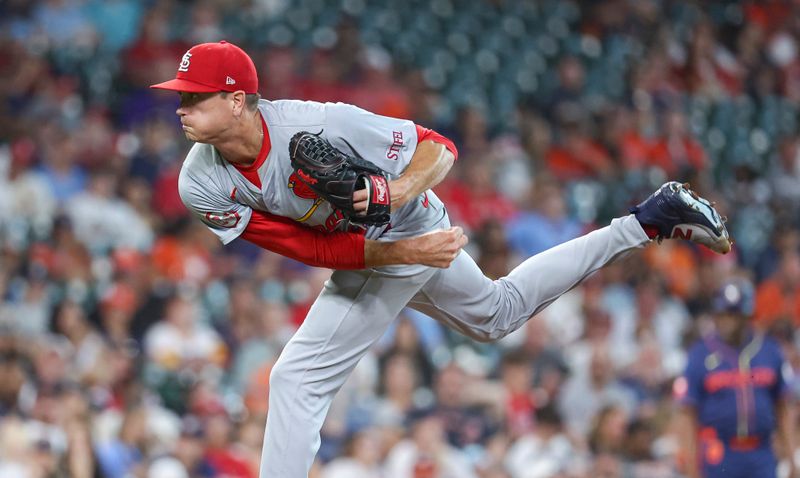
x=334, y=185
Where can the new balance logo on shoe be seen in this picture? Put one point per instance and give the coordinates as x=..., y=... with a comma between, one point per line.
x=679, y=233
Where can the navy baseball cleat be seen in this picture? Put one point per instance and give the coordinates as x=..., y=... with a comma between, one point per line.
x=677, y=212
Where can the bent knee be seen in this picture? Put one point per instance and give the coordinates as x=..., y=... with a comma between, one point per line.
x=493, y=328
x=485, y=335
x=282, y=377
x=483, y=338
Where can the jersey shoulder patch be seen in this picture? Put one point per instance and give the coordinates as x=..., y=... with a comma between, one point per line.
x=225, y=220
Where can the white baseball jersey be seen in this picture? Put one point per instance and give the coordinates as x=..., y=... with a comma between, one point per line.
x=221, y=195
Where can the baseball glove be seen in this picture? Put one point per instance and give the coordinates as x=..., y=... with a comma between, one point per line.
x=335, y=175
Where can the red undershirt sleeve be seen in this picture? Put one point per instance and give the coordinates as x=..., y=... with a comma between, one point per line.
x=336, y=250
x=424, y=134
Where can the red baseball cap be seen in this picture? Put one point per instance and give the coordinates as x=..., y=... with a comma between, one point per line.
x=212, y=67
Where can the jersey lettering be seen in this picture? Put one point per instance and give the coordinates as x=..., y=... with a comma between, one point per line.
x=397, y=143
x=721, y=379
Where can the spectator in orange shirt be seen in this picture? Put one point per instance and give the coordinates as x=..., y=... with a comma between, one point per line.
x=577, y=155
x=623, y=137
x=778, y=298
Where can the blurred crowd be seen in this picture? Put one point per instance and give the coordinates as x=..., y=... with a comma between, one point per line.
x=133, y=345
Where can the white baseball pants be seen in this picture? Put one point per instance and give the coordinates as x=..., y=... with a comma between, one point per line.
x=355, y=308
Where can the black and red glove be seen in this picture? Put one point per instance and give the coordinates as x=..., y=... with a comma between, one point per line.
x=334, y=175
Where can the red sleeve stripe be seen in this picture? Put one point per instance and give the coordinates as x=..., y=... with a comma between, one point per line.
x=335, y=250
x=424, y=134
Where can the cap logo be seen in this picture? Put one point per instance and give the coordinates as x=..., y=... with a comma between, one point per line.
x=229, y=81
x=184, y=66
